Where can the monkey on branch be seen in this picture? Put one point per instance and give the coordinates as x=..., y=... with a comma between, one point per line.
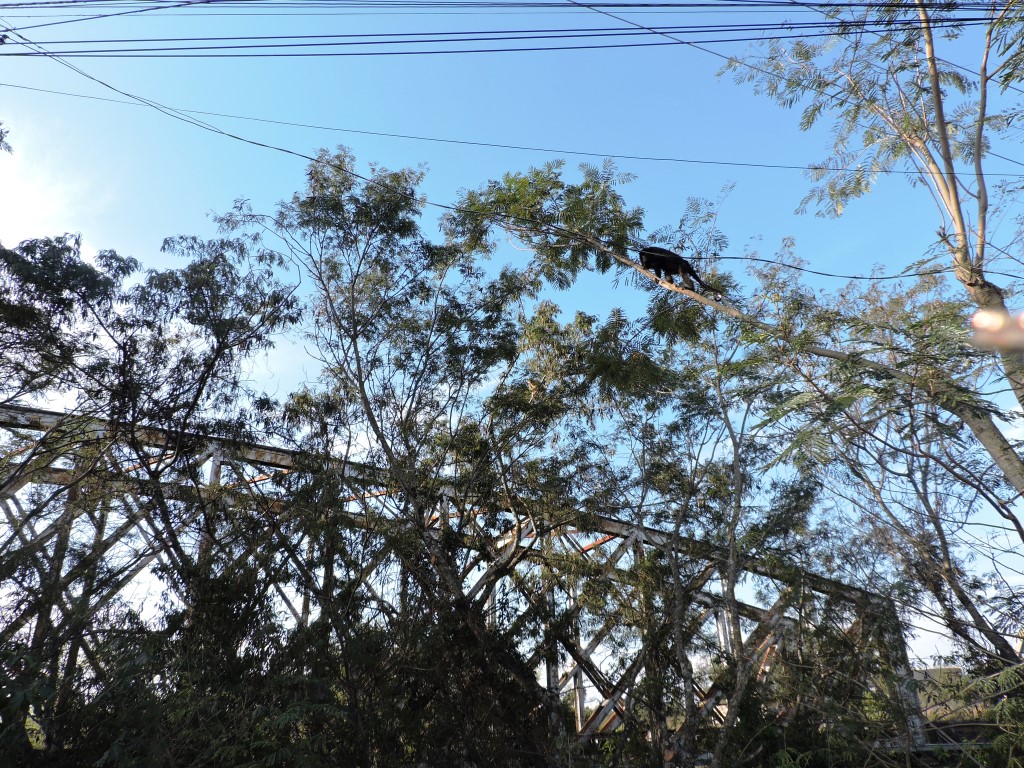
x=665, y=263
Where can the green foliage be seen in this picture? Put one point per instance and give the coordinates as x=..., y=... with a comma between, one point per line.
x=49, y=298
x=1000, y=699
x=568, y=227
x=875, y=85
x=23, y=689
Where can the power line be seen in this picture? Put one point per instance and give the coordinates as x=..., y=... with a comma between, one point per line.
x=466, y=4
x=539, y=33
x=274, y=49
x=120, y=13
x=179, y=53
x=378, y=5
x=755, y=31
x=244, y=12
x=171, y=112
x=484, y=144
x=180, y=115
x=260, y=7
x=177, y=114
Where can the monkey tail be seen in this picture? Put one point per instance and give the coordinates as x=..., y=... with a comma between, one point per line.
x=705, y=288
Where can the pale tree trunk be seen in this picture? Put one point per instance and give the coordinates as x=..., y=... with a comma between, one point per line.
x=966, y=245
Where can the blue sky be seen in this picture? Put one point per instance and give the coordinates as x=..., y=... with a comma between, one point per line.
x=127, y=176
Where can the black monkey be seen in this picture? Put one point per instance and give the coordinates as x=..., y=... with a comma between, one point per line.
x=661, y=260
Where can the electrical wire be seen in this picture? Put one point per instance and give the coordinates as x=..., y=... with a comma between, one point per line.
x=178, y=53
x=183, y=4
x=529, y=33
x=217, y=48
x=717, y=7
x=484, y=144
x=378, y=5
x=180, y=115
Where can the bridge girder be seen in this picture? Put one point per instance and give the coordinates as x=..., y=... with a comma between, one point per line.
x=141, y=500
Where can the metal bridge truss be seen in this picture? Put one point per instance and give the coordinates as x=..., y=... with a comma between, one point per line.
x=138, y=502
